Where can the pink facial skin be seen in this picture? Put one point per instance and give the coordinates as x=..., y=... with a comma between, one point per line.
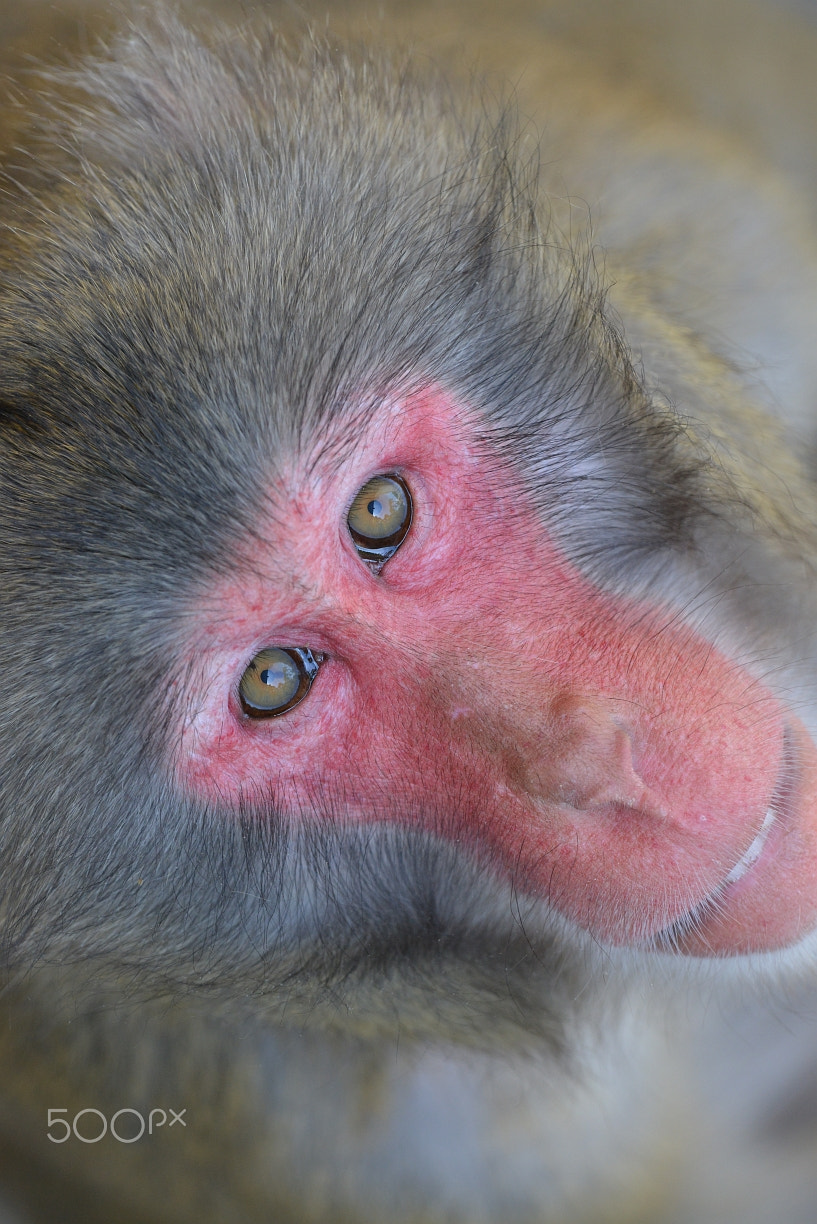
x=592, y=748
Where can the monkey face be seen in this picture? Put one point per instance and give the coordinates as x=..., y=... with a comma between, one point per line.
x=603, y=757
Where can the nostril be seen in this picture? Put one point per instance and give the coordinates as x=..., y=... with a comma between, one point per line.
x=584, y=759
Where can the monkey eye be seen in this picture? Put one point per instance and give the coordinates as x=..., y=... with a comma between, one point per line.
x=379, y=518
x=277, y=679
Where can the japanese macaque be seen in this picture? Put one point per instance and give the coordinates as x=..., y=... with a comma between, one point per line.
x=409, y=613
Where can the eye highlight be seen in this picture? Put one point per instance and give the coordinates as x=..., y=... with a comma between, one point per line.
x=379, y=518
x=277, y=679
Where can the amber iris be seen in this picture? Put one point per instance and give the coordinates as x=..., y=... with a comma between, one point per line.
x=277, y=679
x=379, y=518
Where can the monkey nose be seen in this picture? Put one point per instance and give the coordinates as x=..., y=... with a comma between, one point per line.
x=582, y=757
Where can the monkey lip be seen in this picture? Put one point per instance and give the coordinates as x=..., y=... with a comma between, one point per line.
x=780, y=805
x=755, y=850
x=701, y=930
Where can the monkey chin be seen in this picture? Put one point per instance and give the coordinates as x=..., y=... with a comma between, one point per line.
x=768, y=901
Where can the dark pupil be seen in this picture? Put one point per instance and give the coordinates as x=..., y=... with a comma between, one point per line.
x=376, y=510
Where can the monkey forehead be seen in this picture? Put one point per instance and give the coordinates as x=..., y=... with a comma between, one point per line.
x=339, y=219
